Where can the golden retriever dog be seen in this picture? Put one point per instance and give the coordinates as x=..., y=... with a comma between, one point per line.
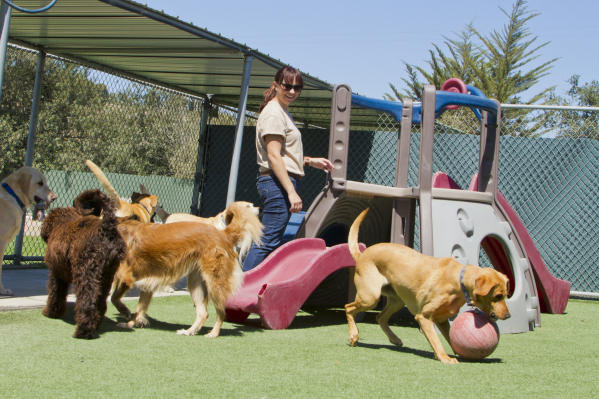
x=433, y=289
x=20, y=190
x=158, y=255
x=142, y=205
x=219, y=221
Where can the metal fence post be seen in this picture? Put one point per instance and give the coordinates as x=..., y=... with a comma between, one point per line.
x=5, y=12
x=199, y=175
x=243, y=96
x=35, y=108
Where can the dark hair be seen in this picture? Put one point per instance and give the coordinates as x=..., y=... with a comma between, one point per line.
x=286, y=74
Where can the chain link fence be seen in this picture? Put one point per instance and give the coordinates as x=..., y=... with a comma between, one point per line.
x=139, y=133
x=135, y=132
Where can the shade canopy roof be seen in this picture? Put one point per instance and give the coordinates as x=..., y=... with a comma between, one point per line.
x=135, y=41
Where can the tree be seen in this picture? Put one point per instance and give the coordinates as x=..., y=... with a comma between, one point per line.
x=463, y=52
x=135, y=129
x=495, y=64
x=575, y=124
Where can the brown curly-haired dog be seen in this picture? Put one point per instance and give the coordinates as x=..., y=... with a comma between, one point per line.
x=85, y=250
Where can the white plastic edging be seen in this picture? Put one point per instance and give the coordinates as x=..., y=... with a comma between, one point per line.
x=587, y=294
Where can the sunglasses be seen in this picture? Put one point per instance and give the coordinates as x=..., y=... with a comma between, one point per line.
x=288, y=87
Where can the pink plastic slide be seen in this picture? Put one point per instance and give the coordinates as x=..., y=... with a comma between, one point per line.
x=280, y=285
x=553, y=292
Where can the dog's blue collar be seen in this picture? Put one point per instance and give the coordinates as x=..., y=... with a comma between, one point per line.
x=463, y=287
x=15, y=196
x=224, y=221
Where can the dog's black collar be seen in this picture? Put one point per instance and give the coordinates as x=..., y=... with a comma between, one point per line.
x=463, y=287
x=12, y=193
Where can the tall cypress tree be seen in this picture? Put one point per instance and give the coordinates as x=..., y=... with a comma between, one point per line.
x=495, y=63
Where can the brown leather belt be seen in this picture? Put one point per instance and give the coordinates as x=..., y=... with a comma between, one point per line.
x=271, y=173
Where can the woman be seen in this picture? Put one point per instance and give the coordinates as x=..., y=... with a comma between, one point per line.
x=280, y=155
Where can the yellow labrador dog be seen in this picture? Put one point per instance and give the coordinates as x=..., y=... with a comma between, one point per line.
x=433, y=289
x=20, y=190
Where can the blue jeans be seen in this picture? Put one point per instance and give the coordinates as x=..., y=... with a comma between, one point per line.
x=275, y=218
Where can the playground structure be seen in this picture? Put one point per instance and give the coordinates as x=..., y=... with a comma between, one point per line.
x=452, y=222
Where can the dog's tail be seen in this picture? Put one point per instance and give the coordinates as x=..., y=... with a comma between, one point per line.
x=352, y=240
x=104, y=182
x=243, y=227
x=162, y=213
x=95, y=202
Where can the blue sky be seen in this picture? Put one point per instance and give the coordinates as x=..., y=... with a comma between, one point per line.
x=363, y=43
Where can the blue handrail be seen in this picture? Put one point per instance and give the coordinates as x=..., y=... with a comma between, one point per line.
x=16, y=7
x=476, y=101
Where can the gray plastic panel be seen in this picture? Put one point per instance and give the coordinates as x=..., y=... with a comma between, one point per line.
x=459, y=228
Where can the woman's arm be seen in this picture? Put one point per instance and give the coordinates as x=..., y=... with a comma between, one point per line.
x=319, y=163
x=274, y=143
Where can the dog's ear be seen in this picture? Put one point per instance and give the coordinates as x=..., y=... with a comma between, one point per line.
x=143, y=189
x=24, y=181
x=483, y=285
x=135, y=197
x=229, y=216
x=153, y=200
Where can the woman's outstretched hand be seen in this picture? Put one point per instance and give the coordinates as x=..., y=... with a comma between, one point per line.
x=321, y=163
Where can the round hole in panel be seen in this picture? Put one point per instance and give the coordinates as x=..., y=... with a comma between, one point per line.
x=340, y=126
x=465, y=223
x=339, y=145
x=458, y=252
x=342, y=99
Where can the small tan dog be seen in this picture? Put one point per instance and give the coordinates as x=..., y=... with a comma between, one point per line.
x=219, y=221
x=431, y=288
x=143, y=205
x=159, y=255
x=20, y=190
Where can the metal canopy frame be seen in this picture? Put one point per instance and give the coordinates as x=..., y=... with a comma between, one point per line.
x=135, y=41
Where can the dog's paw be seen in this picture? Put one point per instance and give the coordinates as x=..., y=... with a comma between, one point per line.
x=6, y=292
x=137, y=322
x=396, y=341
x=185, y=332
x=50, y=313
x=141, y=322
x=211, y=334
x=448, y=360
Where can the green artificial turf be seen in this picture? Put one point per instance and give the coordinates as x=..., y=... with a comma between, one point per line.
x=311, y=359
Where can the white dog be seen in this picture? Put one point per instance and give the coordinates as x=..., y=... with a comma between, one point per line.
x=20, y=190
